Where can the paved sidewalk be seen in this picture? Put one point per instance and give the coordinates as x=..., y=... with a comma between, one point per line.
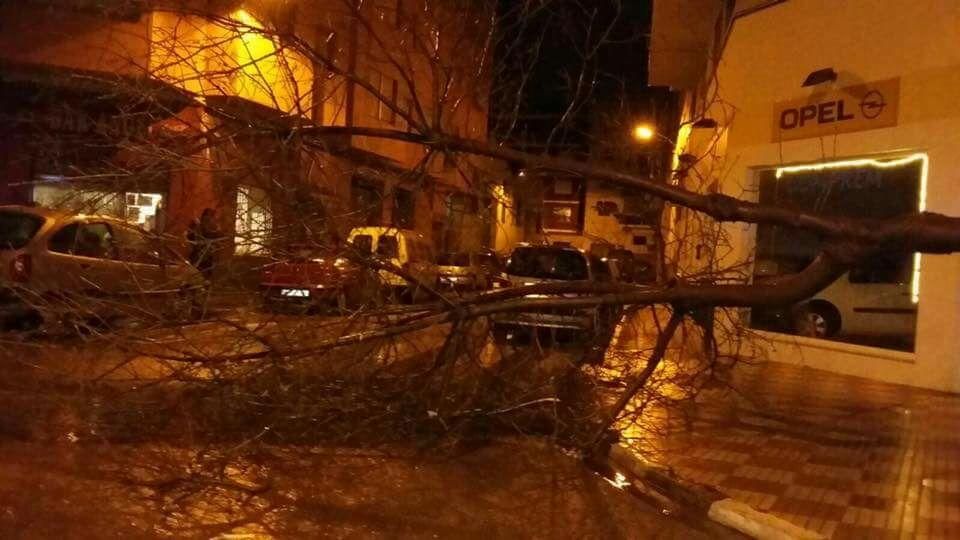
x=849, y=457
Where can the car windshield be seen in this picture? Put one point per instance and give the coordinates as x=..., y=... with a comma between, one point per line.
x=388, y=247
x=17, y=228
x=547, y=263
x=454, y=259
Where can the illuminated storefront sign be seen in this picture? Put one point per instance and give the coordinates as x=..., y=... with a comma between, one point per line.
x=854, y=108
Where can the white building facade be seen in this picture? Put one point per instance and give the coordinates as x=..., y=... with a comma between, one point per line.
x=845, y=107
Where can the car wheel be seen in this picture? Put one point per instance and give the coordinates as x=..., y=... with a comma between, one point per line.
x=815, y=321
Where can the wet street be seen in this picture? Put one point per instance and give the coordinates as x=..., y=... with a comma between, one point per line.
x=843, y=456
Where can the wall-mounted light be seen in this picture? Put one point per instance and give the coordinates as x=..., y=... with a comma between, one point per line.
x=820, y=76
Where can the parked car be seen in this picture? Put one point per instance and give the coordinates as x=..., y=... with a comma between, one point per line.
x=311, y=278
x=873, y=300
x=61, y=266
x=476, y=270
x=404, y=249
x=495, y=267
x=529, y=265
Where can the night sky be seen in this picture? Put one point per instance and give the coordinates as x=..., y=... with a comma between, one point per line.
x=568, y=27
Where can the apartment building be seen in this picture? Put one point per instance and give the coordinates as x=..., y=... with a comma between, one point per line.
x=156, y=110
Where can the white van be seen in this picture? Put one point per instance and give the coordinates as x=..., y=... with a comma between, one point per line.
x=405, y=249
x=873, y=300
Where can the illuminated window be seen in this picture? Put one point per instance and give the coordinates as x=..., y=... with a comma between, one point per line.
x=563, y=201
x=254, y=220
x=875, y=303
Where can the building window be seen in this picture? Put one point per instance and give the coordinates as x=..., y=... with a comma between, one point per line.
x=366, y=198
x=254, y=220
x=141, y=209
x=404, y=208
x=563, y=201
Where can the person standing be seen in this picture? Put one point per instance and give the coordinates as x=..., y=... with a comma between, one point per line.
x=203, y=234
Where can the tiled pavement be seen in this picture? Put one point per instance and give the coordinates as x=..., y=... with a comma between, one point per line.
x=849, y=457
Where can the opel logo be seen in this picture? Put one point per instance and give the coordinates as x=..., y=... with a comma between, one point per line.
x=872, y=105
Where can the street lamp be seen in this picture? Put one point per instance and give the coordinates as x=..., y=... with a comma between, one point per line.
x=643, y=132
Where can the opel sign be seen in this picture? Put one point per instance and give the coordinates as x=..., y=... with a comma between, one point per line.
x=854, y=108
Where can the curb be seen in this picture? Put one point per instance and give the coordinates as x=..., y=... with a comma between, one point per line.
x=708, y=501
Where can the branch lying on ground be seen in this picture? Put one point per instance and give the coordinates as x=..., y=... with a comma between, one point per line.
x=785, y=290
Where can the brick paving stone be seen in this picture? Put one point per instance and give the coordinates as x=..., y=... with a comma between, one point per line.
x=848, y=457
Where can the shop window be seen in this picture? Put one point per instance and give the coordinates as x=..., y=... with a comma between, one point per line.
x=141, y=209
x=883, y=269
x=874, y=304
x=254, y=220
x=55, y=192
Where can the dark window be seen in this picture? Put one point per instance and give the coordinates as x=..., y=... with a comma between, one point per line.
x=388, y=247
x=64, y=240
x=461, y=204
x=367, y=201
x=394, y=87
x=17, y=229
x=363, y=243
x=547, y=263
x=403, y=208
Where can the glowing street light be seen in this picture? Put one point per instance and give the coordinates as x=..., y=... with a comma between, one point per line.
x=643, y=132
